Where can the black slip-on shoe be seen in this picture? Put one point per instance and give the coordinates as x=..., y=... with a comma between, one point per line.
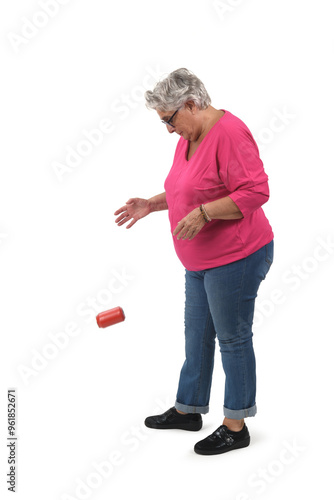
x=223, y=440
x=171, y=419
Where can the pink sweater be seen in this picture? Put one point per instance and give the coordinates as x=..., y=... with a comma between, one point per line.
x=226, y=163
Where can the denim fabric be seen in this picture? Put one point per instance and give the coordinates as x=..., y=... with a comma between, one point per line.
x=220, y=302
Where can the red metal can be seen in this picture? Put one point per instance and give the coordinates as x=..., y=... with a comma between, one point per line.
x=110, y=317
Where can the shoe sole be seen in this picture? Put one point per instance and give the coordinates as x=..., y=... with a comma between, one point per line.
x=236, y=446
x=184, y=427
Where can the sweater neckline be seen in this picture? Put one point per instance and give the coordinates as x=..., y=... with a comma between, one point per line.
x=204, y=139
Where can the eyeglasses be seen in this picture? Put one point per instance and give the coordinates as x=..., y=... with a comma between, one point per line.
x=170, y=120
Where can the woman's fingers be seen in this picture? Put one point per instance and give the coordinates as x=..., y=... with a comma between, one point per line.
x=121, y=217
x=182, y=233
x=131, y=224
x=124, y=215
x=122, y=209
x=123, y=220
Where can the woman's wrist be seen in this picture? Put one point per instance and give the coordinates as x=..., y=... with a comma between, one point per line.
x=223, y=208
x=204, y=213
x=157, y=203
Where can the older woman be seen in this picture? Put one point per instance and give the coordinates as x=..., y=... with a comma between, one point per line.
x=214, y=193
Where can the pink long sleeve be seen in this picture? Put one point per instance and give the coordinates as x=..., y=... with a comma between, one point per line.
x=226, y=163
x=241, y=170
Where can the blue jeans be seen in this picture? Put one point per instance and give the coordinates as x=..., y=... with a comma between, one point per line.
x=220, y=301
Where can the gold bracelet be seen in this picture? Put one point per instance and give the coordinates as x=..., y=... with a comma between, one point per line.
x=206, y=213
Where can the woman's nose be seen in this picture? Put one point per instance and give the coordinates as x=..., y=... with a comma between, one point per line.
x=170, y=129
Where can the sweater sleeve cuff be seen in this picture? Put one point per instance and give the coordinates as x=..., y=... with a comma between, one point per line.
x=248, y=201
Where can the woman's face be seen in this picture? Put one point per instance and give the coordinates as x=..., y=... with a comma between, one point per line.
x=185, y=122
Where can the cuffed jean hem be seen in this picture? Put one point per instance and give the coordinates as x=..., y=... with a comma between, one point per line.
x=191, y=409
x=239, y=414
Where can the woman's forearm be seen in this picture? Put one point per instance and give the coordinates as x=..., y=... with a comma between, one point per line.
x=224, y=208
x=158, y=202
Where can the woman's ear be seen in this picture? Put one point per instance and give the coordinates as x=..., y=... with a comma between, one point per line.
x=191, y=106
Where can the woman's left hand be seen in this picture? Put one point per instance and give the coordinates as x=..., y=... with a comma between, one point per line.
x=190, y=225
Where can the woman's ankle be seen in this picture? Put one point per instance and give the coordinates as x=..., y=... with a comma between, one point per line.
x=233, y=424
x=181, y=412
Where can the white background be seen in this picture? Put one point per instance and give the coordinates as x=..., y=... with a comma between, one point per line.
x=84, y=403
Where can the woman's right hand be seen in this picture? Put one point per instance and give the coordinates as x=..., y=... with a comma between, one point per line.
x=135, y=208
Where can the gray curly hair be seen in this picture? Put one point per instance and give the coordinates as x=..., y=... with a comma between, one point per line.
x=177, y=88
